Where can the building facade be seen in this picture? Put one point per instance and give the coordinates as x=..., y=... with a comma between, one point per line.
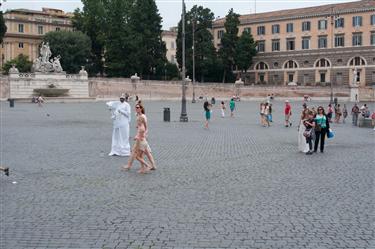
x=170, y=37
x=26, y=28
x=311, y=46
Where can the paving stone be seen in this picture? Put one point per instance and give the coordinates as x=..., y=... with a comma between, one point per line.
x=235, y=185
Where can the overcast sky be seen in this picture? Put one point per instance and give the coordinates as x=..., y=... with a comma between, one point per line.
x=170, y=10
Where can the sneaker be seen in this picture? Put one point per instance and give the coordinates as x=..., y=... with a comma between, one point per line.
x=309, y=153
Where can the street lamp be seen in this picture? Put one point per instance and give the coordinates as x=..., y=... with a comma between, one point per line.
x=183, y=116
x=165, y=71
x=194, y=22
x=333, y=17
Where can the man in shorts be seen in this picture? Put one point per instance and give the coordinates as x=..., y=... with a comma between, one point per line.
x=288, y=113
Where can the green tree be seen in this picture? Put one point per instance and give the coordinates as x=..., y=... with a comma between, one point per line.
x=145, y=24
x=228, y=45
x=120, y=43
x=91, y=22
x=73, y=47
x=22, y=62
x=200, y=20
x=3, y=27
x=245, y=51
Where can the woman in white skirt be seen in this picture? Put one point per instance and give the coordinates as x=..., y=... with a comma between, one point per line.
x=302, y=145
x=223, y=109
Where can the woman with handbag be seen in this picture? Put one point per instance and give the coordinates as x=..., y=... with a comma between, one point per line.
x=302, y=146
x=309, y=123
x=321, y=129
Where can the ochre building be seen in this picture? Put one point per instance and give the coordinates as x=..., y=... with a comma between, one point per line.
x=169, y=37
x=26, y=28
x=311, y=46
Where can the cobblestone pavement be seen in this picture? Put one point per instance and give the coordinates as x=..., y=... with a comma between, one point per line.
x=236, y=185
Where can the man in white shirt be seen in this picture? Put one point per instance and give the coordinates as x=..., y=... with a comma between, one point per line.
x=121, y=119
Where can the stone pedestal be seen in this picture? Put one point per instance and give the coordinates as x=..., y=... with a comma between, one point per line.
x=135, y=80
x=354, y=94
x=237, y=87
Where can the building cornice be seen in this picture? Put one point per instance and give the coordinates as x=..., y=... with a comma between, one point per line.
x=22, y=35
x=19, y=20
x=314, y=52
x=298, y=17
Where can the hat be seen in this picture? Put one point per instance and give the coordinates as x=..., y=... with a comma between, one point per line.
x=286, y=101
x=122, y=96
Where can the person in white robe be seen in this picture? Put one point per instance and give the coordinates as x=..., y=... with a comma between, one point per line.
x=121, y=116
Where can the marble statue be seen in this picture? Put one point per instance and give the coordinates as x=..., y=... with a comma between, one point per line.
x=44, y=63
x=56, y=64
x=355, y=77
x=13, y=69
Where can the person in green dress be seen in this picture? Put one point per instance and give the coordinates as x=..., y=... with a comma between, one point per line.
x=207, y=112
x=232, y=106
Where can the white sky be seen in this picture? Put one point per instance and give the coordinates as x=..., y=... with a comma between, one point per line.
x=170, y=10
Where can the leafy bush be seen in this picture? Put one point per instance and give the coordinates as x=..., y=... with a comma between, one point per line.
x=22, y=64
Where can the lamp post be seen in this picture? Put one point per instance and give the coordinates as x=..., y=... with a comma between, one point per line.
x=183, y=116
x=193, y=23
x=333, y=17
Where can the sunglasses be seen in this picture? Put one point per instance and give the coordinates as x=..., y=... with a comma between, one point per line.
x=137, y=107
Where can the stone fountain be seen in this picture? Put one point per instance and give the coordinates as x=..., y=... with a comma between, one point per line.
x=48, y=79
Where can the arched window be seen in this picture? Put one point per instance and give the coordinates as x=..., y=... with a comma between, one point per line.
x=357, y=61
x=290, y=64
x=322, y=63
x=261, y=66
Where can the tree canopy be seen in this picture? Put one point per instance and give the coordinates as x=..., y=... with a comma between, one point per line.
x=91, y=22
x=198, y=20
x=127, y=33
x=22, y=63
x=228, y=44
x=245, y=51
x=3, y=27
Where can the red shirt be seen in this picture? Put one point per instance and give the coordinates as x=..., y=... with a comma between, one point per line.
x=287, y=109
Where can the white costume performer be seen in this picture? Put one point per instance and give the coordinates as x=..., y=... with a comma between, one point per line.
x=302, y=145
x=121, y=119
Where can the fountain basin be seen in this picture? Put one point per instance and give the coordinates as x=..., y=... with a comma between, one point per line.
x=52, y=92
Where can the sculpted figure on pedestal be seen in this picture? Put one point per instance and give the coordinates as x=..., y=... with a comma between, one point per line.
x=44, y=64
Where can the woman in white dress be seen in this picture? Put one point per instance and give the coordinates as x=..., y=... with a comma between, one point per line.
x=302, y=145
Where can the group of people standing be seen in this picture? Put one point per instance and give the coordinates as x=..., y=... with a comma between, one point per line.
x=121, y=116
x=313, y=128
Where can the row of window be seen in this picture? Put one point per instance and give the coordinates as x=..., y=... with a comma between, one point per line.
x=21, y=29
x=322, y=42
x=322, y=77
x=290, y=64
x=306, y=26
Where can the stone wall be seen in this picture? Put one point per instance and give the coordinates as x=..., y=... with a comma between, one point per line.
x=367, y=94
x=113, y=87
x=4, y=87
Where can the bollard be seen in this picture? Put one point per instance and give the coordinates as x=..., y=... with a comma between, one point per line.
x=167, y=114
x=11, y=102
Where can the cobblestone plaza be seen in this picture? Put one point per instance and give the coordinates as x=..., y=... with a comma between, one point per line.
x=236, y=185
